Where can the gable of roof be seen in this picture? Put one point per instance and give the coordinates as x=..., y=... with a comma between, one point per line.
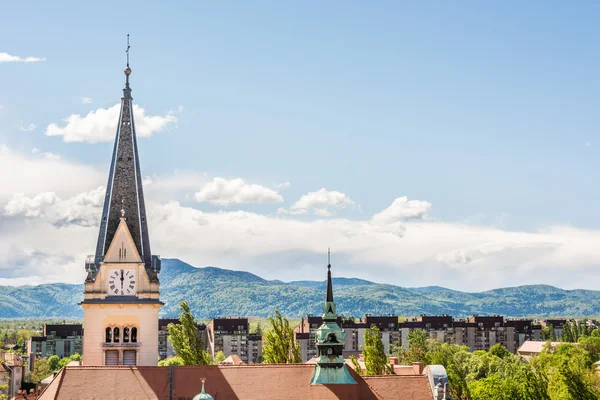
x=226, y=382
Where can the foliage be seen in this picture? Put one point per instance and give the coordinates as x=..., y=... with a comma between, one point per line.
x=548, y=333
x=219, y=357
x=4, y=389
x=171, y=361
x=356, y=365
x=186, y=338
x=280, y=347
x=53, y=362
x=417, y=348
x=376, y=361
x=41, y=370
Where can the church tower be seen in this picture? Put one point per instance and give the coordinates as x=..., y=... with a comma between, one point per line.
x=330, y=367
x=121, y=294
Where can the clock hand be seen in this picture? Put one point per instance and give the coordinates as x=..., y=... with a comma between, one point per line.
x=122, y=279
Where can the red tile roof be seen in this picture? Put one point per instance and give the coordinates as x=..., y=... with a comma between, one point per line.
x=224, y=382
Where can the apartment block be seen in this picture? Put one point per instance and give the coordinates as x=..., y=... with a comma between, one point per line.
x=231, y=335
x=62, y=340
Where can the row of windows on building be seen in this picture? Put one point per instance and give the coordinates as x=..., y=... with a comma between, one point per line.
x=129, y=335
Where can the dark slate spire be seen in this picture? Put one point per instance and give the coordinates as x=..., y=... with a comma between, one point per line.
x=124, y=190
x=329, y=298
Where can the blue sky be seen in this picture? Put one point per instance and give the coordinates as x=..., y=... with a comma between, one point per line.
x=488, y=112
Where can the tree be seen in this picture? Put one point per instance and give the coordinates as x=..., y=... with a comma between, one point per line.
x=376, y=361
x=417, y=348
x=186, y=338
x=4, y=389
x=356, y=364
x=258, y=329
x=219, y=357
x=280, y=346
x=41, y=370
x=53, y=362
x=170, y=361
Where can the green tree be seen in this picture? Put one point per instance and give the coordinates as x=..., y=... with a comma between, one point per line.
x=280, y=346
x=356, y=364
x=186, y=339
x=170, y=361
x=376, y=361
x=53, y=362
x=219, y=357
x=41, y=370
x=4, y=389
x=258, y=329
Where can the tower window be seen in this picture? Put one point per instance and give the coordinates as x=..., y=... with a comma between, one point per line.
x=124, y=253
x=116, y=335
x=125, y=335
x=133, y=335
x=108, y=338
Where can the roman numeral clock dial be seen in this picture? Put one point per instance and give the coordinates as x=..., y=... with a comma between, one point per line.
x=122, y=282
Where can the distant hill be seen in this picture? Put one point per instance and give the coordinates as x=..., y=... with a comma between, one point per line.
x=219, y=292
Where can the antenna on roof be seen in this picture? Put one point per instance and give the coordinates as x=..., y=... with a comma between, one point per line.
x=329, y=256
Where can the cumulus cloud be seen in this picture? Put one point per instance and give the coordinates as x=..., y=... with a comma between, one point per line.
x=6, y=58
x=319, y=203
x=31, y=174
x=51, y=156
x=84, y=209
x=100, y=125
x=85, y=100
x=225, y=192
x=403, y=209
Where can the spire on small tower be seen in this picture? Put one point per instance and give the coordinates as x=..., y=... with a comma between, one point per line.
x=330, y=367
x=203, y=395
x=329, y=298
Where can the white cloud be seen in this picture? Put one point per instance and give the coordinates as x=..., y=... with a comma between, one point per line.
x=35, y=150
x=46, y=233
x=26, y=128
x=100, y=125
x=84, y=209
x=31, y=175
x=85, y=100
x=5, y=58
x=403, y=209
x=235, y=191
x=283, y=185
x=52, y=156
x=320, y=203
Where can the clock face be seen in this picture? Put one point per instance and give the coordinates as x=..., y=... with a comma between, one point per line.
x=121, y=282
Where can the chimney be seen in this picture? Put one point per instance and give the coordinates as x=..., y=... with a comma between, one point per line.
x=393, y=360
x=418, y=368
x=361, y=357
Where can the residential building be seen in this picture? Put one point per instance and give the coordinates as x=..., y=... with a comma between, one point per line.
x=121, y=290
x=532, y=348
x=62, y=340
x=520, y=330
x=12, y=372
x=231, y=335
x=165, y=347
x=490, y=330
x=557, y=324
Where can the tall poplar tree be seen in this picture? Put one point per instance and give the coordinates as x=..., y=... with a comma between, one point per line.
x=280, y=347
x=186, y=338
x=376, y=362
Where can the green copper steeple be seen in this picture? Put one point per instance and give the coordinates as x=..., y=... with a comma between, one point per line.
x=330, y=368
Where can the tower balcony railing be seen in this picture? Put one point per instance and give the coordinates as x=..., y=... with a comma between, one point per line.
x=121, y=345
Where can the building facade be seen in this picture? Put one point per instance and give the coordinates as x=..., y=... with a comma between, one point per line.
x=62, y=340
x=121, y=291
x=231, y=336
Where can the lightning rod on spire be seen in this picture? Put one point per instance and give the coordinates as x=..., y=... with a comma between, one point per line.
x=127, y=51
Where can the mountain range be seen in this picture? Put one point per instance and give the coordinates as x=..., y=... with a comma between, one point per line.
x=215, y=292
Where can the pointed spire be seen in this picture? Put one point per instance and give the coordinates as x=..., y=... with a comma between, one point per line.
x=127, y=89
x=329, y=298
x=124, y=191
